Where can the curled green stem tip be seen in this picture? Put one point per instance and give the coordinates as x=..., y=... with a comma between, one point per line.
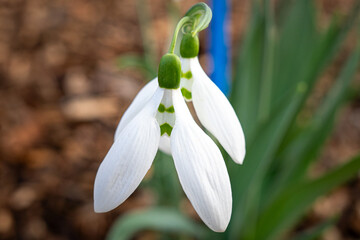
x=202, y=14
x=198, y=16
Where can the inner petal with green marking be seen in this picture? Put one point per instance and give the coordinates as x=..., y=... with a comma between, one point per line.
x=165, y=114
x=186, y=81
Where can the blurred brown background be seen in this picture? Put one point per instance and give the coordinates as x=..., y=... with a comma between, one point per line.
x=61, y=96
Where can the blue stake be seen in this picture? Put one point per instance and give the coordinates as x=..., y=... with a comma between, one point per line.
x=219, y=44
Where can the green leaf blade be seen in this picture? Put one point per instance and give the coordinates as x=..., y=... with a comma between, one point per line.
x=158, y=219
x=295, y=200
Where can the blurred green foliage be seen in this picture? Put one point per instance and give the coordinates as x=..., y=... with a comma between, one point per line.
x=158, y=218
x=280, y=62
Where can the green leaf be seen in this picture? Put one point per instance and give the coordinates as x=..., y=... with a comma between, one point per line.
x=159, y=219
x=303, y=55
x=302, y=148
x=245, y=90
x=326, y=49
x=337, y=33
x=338, y=92
x=165, y=182
x=264, y=141
x=295, y=200
x=325, y=117
x=262, y=145
x=268, y=64
x=297, y=40
x=306, y=147
x=247, y=179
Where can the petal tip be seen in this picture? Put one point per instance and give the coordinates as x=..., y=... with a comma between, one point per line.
x=239, y=157
x=102, y=202
x=98, y=208
x=219, y=227
x=101, y=207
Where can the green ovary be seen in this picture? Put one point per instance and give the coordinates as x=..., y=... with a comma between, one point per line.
x=166, y=128
x=169, y=73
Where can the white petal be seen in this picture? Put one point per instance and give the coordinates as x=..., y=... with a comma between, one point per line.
x=128, y=159
x=185, y=82
x=201, y=169
x=216, y=113
x=164, y=144
x=137, y=104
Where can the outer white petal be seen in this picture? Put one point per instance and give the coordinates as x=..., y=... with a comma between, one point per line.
x=128, y=159
x=164, y=144
x=216, y=113
x=137, y=104
x=201, y=169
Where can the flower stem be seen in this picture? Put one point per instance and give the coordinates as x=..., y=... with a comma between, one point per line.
x=182, y=21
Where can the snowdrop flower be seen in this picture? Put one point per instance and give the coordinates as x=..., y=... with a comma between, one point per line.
x=211, y=105
x=158, y=117
x=198, y=161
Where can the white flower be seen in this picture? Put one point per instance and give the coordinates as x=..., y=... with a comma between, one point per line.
x=157, y=113
x=159, y=118
x=212, y=108
x=211, y=105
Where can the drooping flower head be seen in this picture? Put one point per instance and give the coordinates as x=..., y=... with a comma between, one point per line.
x=159, y=118
x=211, y=105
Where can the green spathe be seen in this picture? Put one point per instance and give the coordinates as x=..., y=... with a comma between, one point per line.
x=169, y=71
x=189, y=46
x=202, y=13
